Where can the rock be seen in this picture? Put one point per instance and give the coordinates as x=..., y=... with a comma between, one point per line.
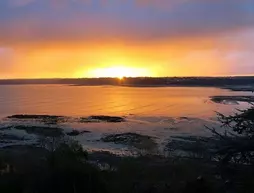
x=131, y=139
x=76, y=133
x=41, y=130
x=102, y=118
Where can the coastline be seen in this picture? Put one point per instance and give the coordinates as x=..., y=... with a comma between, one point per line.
x=167, y=129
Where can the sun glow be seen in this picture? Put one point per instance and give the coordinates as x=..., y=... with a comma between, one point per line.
x=119, y=72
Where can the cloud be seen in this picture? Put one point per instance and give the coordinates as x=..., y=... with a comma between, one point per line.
x=207, y=37
x=19, y=3
x=238, y=55
x=127, y=21
x=6, y=59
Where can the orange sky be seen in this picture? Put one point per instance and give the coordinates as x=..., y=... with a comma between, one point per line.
x=39, y=39
x=172, y=58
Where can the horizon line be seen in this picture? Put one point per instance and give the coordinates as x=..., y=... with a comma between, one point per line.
x=71, y=78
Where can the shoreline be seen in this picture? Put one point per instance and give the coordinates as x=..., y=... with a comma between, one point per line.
x=225, y=99
x=54, y=120
x=239, y=82
x=240, y=88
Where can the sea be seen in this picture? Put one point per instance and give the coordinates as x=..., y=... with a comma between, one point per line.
x=159, y=112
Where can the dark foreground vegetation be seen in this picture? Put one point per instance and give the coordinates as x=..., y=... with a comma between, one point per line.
x=222, y=163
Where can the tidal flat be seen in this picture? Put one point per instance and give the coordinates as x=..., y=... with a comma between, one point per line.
x=117, y=119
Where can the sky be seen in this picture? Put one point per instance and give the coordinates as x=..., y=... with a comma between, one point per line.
x=116, y=38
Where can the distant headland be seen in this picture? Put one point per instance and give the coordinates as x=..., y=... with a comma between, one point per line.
x=242, y=81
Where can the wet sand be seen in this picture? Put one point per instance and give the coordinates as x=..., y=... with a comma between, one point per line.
x=234, y=99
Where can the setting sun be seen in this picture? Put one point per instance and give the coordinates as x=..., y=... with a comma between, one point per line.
x=119, y=72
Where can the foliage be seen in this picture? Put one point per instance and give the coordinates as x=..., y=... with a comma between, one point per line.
x=232, y=143
x=237, y=144
x=241, y=122
x=62, y=168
